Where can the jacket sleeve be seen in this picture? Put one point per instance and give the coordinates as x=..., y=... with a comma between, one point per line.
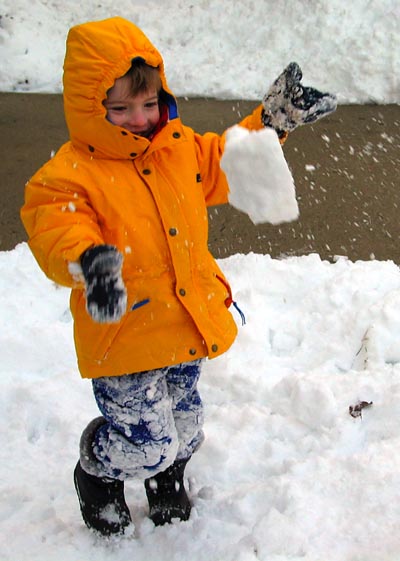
x=210, y=147
x=60, y=223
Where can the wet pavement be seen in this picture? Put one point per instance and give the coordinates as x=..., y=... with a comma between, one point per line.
x=346, y=170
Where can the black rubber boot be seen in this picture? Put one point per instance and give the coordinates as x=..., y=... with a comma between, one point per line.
x=167, y=495
x=102, y=503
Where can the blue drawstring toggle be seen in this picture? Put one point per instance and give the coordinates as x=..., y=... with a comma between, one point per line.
x=140, y=304
x=240, y=312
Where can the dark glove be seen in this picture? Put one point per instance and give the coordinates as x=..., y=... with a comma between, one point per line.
x=288, y=104
x=105, y=290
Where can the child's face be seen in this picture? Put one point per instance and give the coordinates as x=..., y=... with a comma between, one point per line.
x=138, y=114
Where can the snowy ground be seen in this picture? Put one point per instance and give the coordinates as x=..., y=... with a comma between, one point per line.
x=285, y=472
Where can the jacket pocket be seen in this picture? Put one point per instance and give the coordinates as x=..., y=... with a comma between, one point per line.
x=93, y=340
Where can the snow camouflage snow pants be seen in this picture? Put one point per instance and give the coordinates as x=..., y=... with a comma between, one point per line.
x=149, y=420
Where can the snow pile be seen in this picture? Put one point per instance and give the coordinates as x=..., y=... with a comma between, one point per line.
x=224, y=49
x=260, y=181
x=285, y=471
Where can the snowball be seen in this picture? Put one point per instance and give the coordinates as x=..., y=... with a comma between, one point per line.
x=260, y=181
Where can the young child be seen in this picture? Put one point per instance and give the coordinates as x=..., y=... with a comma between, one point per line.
x=119, y=215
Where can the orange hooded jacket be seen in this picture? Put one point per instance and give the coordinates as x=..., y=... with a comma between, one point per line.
x=148, y=198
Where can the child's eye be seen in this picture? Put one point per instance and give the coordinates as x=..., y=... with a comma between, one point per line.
x=118, y=108
x=151, y=104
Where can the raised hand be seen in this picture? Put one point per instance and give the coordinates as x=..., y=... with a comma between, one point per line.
x=288, y=103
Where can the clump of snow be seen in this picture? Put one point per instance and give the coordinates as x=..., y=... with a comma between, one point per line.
x=260, y=181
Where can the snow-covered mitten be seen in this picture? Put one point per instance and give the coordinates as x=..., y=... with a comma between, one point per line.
x=105, y=290
x=288, y=103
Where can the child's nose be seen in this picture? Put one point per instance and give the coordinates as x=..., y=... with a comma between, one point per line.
x=137, y=118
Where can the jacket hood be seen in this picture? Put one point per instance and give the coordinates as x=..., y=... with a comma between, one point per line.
x=97, y=53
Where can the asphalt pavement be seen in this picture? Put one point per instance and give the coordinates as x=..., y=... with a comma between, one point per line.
x=346, y=169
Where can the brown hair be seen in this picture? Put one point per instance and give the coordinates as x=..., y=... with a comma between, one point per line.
x=143, y=77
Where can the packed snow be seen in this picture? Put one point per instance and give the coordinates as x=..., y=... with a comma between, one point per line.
x=302, y=424
x=270, y=196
